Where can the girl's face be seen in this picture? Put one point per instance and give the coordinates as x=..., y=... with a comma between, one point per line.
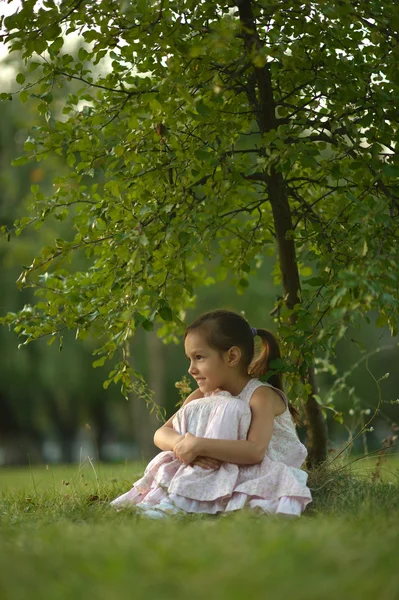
x=209, y=367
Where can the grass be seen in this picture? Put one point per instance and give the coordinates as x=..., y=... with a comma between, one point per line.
x=60, y=540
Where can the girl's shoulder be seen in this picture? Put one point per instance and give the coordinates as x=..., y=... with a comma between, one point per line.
x=255, y=384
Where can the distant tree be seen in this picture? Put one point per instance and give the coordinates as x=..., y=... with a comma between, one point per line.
x=234, y=127
x=43, y=395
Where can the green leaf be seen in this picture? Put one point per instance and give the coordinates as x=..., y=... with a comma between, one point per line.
x=56, y=46
x=184, y=237
x=39, y=45
x=165, y=313
x=184, y=94
x=391, y=170
x=277, y=364
x=155, y=106
x=71, y=159
x=51, y=340
x=33, y=65
x=24, y=95
x=21, y=160
x=29, y=144
x=91, y=35
x=202, y=155
x=20, y=78
x=99, y=362
x=203, y=109
x=82, y=54
x=309, y=161
x=382, y=320
x=315, y=281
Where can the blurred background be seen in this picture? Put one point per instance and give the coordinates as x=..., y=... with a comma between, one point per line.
x=53, y=407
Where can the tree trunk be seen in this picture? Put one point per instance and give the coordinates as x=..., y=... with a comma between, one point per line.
x=146, y=423
x=265, y=113
x=316, y=426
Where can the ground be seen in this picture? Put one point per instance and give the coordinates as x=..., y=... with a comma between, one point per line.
x=60, y=540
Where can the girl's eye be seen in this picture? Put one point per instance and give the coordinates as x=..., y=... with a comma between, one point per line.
x=198, y=356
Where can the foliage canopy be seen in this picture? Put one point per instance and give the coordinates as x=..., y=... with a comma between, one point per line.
x=187, y=117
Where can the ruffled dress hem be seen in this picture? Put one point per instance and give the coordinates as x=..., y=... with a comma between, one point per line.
x=285, y=505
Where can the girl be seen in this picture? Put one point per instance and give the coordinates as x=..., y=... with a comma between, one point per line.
x=233, y=442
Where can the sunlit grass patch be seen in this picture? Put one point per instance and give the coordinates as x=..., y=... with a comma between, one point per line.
x=61, y=539
x=342, y=486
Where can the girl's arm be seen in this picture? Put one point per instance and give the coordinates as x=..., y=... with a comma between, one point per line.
x=265, y=405
x=239, y=452
x=166, y=437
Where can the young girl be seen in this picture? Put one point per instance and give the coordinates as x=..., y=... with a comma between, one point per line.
x=233, y=442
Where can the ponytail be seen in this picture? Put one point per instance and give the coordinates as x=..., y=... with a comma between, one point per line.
x=260, y=366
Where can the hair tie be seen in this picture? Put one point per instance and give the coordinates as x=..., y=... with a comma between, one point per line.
x=254, y=331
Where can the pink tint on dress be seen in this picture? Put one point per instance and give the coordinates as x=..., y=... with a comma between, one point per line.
x=277, y=485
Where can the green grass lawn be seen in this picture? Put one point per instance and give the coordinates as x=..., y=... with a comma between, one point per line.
x=60, y=539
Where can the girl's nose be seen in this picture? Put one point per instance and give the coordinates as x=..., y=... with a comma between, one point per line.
x=192, y=370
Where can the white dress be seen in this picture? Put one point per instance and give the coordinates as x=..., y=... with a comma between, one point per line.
x=277, y=485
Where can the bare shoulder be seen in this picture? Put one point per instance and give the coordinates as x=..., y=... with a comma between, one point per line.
x=264, y=394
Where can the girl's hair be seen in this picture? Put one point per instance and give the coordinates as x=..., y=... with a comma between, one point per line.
x=223, y=329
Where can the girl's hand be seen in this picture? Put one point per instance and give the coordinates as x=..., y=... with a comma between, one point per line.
x=207, y=463
x=186, y=449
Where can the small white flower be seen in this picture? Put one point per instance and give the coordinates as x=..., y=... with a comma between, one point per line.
x=351, y=411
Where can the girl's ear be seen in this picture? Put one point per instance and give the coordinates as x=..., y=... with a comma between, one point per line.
x=233, y=356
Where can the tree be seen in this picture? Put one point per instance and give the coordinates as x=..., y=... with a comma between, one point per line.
x=43, y=395
x=229, y=128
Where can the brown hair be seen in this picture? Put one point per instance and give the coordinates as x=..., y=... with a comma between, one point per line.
x=224, y=329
